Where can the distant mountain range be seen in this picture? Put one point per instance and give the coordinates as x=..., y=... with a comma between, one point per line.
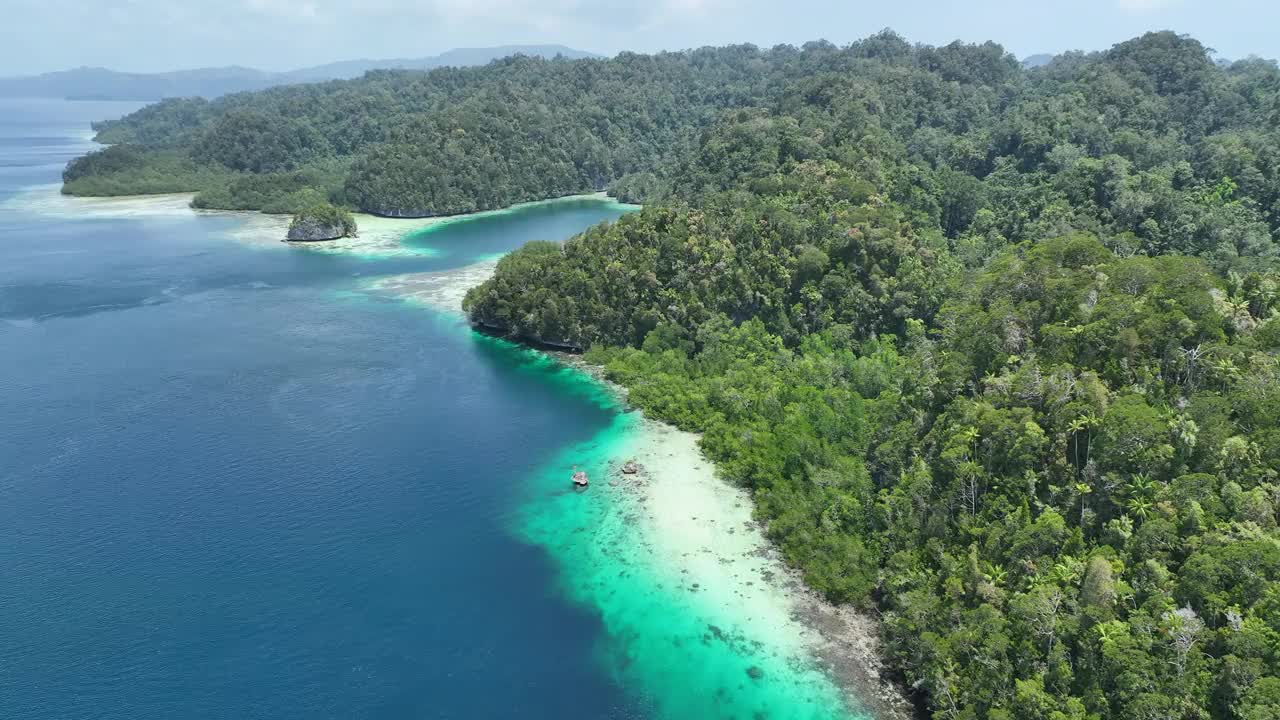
x=88, y=83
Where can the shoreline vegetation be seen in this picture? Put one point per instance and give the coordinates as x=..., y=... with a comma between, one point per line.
x=1008, y=377
x=689, y=514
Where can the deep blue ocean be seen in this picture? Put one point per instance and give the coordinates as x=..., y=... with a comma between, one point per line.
x=231, y=487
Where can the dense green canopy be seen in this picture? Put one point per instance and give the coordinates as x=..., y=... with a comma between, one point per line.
x=1115, y=137
x=995, y=350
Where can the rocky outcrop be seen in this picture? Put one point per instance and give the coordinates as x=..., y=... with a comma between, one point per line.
x=321, y=222
x=312, y=231
x=579, y=479
x=487, y=328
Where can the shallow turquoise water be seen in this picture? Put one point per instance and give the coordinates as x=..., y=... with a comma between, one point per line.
x=684, y=648
x=488, y=236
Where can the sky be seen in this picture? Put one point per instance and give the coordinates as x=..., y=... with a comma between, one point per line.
x=155, y=35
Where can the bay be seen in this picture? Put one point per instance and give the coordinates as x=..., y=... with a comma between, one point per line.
x=242, y=479
x=229, y=490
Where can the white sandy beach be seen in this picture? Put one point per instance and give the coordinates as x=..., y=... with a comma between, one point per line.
x=700, y=531
x=48, y=200
x=379, y=237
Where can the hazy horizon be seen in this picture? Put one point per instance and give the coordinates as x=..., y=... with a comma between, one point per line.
x=278, y=35
x=292, y=68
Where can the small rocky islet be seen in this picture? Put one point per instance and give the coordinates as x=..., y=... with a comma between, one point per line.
x=321, y=222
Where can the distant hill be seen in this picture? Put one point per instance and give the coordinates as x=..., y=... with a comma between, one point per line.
x=1035, y=61
x=458, y=57
x=87, y=83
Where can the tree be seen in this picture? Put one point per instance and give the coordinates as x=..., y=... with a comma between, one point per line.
x=1098, y=591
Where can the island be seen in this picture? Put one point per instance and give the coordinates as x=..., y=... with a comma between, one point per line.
x=323, y=221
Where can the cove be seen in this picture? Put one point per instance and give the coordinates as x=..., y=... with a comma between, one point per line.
x=237, y=479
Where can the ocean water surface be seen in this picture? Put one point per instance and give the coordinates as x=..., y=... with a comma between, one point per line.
x=236, y=484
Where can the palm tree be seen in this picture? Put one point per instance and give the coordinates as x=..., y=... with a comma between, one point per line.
x=996, y=574
x=1261, y=295
x=1141, y=491
x=1084, y=490
x=969, y=435
x=1082, y=423
x=1226, y=371
x=1106, y=633
x=1139, y=506
x=1064, y=571
x=1140, y=485
x=1237, y=307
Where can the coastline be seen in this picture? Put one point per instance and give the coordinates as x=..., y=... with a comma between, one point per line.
x=48, y=200
x=379, y=236
x=693, y=538
x=681, y=574
x=842, y=641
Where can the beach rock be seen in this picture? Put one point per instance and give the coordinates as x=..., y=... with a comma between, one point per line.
x=580, y=479
x=630, y=467
x=313, y=230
